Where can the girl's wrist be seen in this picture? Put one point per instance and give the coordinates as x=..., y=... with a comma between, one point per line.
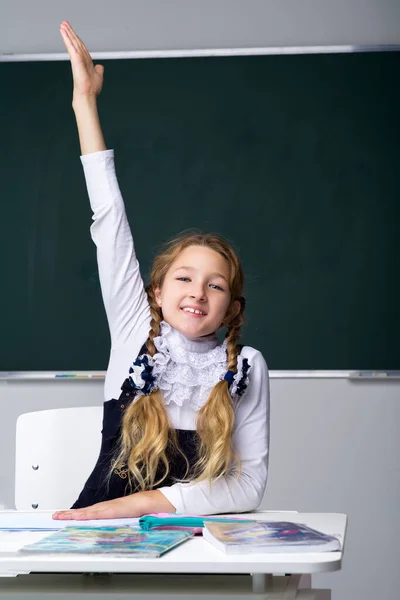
x=87, y=118
x=84, y=102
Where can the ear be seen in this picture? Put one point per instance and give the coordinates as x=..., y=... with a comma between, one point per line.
x=235, y=309
x=157, y=295
x=232, y=312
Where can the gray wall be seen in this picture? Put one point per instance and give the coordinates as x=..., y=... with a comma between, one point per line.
x=334, y=448
x=30, y=27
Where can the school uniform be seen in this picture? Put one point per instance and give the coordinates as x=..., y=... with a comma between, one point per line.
x=185, y=370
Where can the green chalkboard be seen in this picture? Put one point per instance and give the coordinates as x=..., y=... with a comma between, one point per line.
x=295, y=159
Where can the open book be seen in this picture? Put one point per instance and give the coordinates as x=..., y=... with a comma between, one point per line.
x=267, y=536
x=126, y=541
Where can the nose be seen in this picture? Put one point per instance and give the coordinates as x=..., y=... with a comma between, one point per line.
x=198, y=293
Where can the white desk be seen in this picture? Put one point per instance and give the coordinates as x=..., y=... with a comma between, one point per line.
x=195, y=568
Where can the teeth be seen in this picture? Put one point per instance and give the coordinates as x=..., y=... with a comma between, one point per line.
x=192, y=310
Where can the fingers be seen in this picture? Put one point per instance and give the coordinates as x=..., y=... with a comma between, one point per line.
x=65, y=30
x=73, y=42
x=75, y=514
x=110, y=509
x=81, y=45
x=96, y=511
x=67, y=515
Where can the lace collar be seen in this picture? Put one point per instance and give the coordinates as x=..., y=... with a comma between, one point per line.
x=186, y=369
x=181, y=349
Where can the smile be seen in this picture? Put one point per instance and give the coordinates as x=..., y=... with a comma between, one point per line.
x=193, y=311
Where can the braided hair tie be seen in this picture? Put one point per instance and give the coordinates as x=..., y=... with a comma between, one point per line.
x=237, y=382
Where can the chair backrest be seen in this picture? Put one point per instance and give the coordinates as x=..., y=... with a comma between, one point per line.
x=56, y=451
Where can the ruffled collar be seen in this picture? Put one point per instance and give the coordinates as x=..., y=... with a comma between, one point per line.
x=182, y=349
x=186, y=369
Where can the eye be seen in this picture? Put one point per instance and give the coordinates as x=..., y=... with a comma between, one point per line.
x=183, y=279
x=216, y=287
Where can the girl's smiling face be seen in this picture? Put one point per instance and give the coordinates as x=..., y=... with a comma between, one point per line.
x=195, y=295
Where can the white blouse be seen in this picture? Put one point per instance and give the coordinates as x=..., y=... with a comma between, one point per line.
x=128, y=316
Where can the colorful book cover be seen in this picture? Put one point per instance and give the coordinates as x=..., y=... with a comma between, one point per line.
x=126, y=541
x=268, y=536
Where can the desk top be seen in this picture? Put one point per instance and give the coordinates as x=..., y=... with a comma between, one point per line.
x=194, y=556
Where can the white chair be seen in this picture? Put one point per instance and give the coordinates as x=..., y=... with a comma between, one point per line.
x=56, y=451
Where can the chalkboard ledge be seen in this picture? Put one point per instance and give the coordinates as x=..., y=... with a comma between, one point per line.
x=100, y=375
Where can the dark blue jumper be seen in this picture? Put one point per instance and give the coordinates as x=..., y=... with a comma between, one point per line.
x=99, y=486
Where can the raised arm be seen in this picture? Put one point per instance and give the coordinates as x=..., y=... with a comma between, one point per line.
x=122, y=287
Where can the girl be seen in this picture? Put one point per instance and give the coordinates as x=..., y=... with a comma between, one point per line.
x=190, y=430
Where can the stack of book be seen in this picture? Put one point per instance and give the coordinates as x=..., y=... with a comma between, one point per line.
x=267, y=536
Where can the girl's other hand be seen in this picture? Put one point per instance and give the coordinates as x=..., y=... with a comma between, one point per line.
x=134, y=505
x=88, y=78
x=111, y=509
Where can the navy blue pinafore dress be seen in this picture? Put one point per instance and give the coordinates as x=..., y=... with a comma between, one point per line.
x=100, y=486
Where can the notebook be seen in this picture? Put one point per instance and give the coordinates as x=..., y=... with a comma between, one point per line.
x=267, y=536
x=118, y=541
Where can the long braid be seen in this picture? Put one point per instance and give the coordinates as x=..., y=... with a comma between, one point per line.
x=156, y=318
x=216, y=418
x=233, y=335
x=146, y=431
x=146, y=427
x=155, y=330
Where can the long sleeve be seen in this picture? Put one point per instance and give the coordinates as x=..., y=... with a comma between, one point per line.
x=122, y=288
x=233, y=493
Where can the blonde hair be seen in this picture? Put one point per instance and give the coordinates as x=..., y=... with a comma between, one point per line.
x=146, y=431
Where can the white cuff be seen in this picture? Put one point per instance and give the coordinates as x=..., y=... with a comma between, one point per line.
x=87, y=159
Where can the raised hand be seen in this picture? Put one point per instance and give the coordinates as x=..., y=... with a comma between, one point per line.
x=88, y=78
x=88, y=81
